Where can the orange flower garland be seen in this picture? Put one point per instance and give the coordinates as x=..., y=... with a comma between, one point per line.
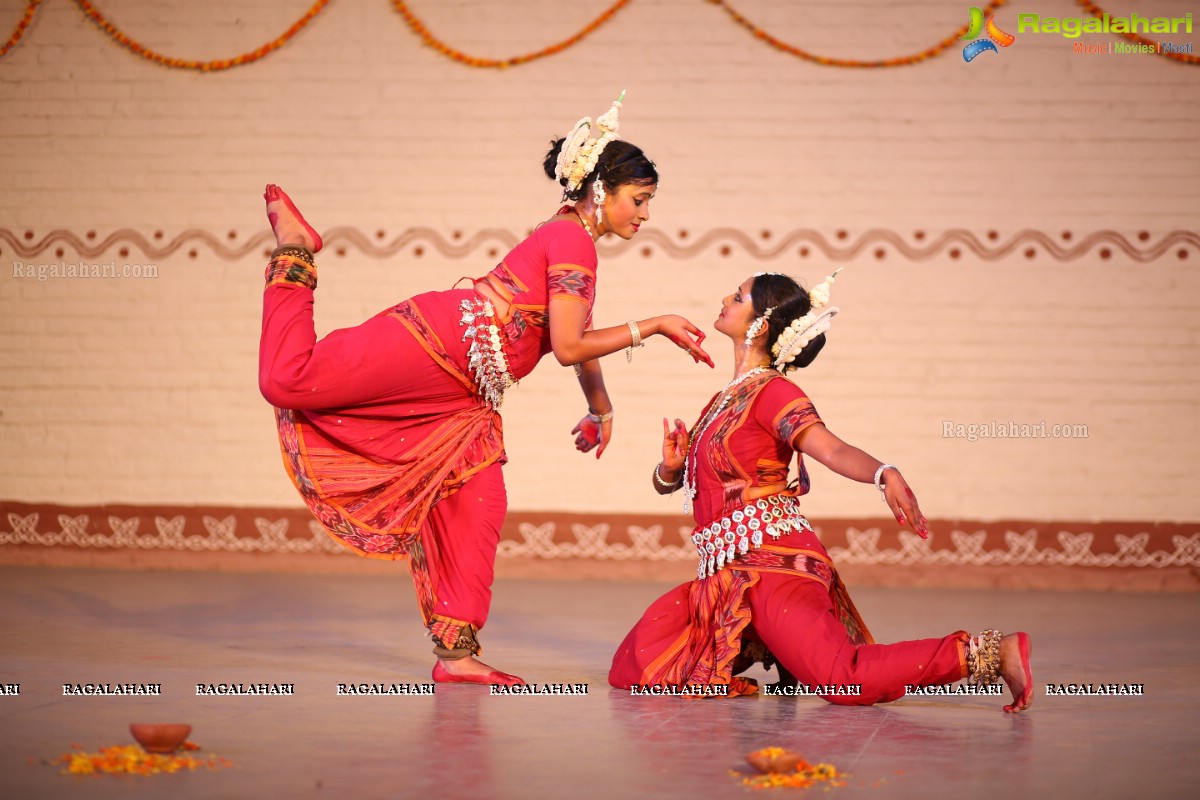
x=19, y=31
x=501, y=63
x=1098, y=13
x=826, y=61
x=419, y=28
x=132, y=46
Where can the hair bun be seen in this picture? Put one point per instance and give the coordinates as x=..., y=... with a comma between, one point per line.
x=550, y=164
x=808, y=354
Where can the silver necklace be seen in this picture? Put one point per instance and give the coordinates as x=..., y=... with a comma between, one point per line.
x=689, y=472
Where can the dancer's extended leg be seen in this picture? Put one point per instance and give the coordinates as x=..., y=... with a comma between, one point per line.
x=795, y=618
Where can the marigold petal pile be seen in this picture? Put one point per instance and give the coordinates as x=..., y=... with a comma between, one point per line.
x=131, y=759
x=782, y=769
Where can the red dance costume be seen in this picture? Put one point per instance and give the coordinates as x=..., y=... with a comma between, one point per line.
x=770, y=583
x=388, y=435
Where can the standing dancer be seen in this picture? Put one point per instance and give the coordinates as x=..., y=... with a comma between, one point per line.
x=766, y=590
x=391, y=430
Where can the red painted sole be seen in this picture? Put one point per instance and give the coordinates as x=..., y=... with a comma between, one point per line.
x=273, y=194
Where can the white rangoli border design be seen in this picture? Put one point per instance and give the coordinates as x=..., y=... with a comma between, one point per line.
x=591, y=541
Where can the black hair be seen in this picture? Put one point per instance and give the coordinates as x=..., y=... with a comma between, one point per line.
x=790, y=301
x=619, y=164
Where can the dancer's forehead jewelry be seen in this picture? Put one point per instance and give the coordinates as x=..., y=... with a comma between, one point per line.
x=579, y=154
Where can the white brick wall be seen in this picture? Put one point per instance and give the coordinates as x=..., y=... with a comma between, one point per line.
x=144, y=391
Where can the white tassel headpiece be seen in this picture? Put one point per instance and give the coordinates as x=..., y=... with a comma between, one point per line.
x=579, y=154
x=796, y=336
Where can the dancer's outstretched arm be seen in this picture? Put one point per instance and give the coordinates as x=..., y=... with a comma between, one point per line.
x=573, y=344
x=850, y=462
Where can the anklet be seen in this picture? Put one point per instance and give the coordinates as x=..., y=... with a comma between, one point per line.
x=295, y=251
x=983, y=658
x=453, y=640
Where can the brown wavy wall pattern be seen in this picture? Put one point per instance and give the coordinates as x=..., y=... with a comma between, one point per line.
x=762, y=245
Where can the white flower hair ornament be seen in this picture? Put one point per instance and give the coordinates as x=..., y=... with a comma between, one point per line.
x=796, y=336
x=579, y=154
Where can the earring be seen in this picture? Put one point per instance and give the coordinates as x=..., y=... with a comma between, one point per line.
x=754, y=330
x=598, y=197
x=757, y=326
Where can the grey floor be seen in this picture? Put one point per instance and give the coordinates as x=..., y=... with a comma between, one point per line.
x=75, y=626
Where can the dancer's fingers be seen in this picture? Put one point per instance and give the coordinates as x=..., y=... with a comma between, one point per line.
x=920, y=525
x=605, y=434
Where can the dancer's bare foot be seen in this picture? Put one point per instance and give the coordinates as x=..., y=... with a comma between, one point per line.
x=1015, y=652
x=471, y=670
x=287, y=224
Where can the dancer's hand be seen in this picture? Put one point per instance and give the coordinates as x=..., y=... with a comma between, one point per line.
x=681, y=332
x=592, y=434
x=675, y=445
x=903, y=502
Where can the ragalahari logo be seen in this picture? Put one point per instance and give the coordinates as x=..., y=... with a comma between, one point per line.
x=995, y=36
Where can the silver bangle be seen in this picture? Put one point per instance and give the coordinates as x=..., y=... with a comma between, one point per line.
x=637, y=340
x=879, y=474
x=658, y=479
x=600, y=419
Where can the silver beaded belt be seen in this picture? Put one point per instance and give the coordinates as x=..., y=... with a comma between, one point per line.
x=486, y=354
x=719, y=542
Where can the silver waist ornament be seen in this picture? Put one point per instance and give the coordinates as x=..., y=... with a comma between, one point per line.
x=485, y=356
x=741, y=530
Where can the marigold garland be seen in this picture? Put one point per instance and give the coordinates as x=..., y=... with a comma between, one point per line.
x=1099, y=13
x=93, y=14
x=130, y=759
x=430, y=40
x=826, y=61
x=19, y=31
x=427, y=37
